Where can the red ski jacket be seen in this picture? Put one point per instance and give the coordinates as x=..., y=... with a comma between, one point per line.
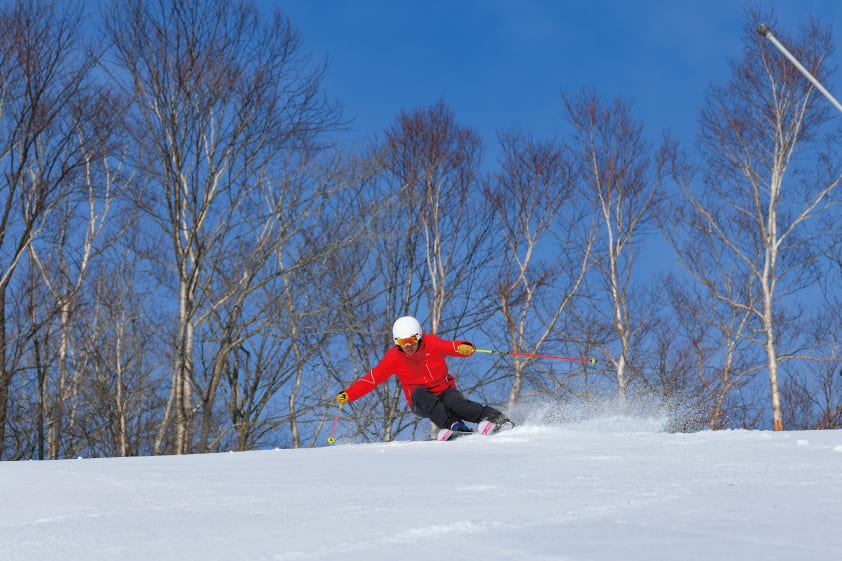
x=424, y=369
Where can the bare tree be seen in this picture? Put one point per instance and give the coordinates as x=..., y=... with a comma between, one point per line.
x=672, y=375
x=81, y=229
x=274, y=336
x=547, y=238
x=122, y=390
x=624, y=178
x=437, y=161
x=223, y=98
x=767, y=176
x=813, y=401
x=371, y=282
x=44, y=73
x=713, y=333
x=827, y=386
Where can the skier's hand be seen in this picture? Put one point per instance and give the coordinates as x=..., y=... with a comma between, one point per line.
x=466, y=349
x=342, y=397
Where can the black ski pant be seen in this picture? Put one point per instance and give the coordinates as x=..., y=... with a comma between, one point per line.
x=449, y=406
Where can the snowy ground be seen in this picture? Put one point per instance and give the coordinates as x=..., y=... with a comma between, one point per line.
x=609, y=490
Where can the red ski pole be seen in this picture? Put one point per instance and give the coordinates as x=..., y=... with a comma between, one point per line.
x=534, y=355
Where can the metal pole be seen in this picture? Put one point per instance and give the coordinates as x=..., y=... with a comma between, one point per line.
x=764, y=30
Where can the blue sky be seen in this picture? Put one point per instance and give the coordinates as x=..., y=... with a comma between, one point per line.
x=500, y=64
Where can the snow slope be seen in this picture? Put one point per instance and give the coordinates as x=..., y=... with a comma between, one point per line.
x=615, y=489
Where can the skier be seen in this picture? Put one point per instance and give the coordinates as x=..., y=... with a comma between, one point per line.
x=418, y=362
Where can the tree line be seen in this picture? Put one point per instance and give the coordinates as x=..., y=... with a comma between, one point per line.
x=190, y=261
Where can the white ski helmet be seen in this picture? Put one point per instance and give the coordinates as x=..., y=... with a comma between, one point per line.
x=406, y=326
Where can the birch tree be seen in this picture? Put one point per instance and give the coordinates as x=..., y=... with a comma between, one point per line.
x=44, y=76
x=767, y=176
x=547, y=237
x=624, y=180
x=222, y=97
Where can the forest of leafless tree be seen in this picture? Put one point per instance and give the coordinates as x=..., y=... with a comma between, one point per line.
x=191, y=262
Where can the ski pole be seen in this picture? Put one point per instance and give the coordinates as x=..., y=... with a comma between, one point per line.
x=534, y=355
x=331, y=439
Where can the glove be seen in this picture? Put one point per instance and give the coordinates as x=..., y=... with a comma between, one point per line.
x=342, y=397
x=466, y=349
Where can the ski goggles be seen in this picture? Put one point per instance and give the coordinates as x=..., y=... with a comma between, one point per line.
x=406, y=341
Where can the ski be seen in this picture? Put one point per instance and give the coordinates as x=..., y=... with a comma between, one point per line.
x=448, y=434
x=484, y=428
